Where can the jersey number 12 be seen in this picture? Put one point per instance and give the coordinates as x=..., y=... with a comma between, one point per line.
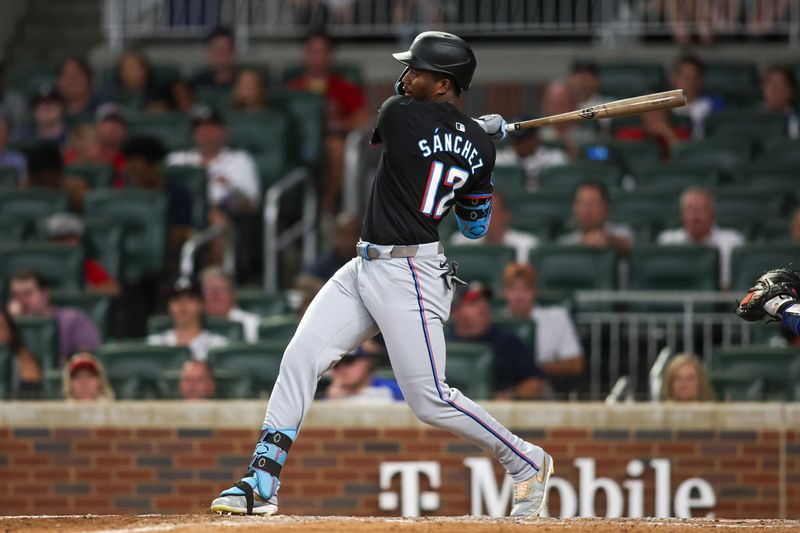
x=456, y=178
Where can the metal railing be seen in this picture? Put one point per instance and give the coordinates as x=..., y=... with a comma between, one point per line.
x=199, y=240
x=624, y=332
x=276, y=239
x=610, y=21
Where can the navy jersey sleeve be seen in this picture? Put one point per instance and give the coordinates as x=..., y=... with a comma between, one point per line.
x=389, y=118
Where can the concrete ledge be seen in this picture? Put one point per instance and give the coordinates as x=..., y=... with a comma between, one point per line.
x=520, y=416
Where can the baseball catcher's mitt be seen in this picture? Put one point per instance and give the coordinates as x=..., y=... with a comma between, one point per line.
x=777, y=282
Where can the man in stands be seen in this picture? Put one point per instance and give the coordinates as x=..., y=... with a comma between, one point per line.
x=222, y=58
x=219, y=299
x=590, y=209
x=197, y=381
x=688, y=74
x=527, y=151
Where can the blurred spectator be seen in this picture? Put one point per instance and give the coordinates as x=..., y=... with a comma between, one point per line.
x=557, y=99
x=685, y=380
x=112, y=129
x=516, y=376
x=30, y=296
x=175, y=96
x=655, y=126
x=9, y=157
x=345, y=110
x=219, y=298
x=143, y=168
x=86, y=380
x=688, y=73
x=25, y=370
x=527, y=151
x=222, y=58
x=345, y=238
x=764, y=14
x=74, y=83
x=583, y=82
x=500, y=233
x=83, y=146
x=779, y=90
x=590, y=210
x=197, y=381
x=248, y=93
x=46, y=171
x=13, y=105
x=185, y=306
x=66, y=228
x=134, y=76
x=353, y=377
x=698, y=216
x=49, y=123
x=683, y=14
x=794, y=229
x=558, y=351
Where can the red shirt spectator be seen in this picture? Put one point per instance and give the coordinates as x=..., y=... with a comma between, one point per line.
x=655, y=126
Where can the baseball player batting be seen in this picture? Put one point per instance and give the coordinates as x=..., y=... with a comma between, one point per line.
x=400, y=284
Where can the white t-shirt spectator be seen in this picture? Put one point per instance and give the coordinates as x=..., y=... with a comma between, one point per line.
x=544, y=157
x=724, y=240
x=619, y=231
x=231, y=170
x=556, y=337
x=698, y=112
x=249, y=322
x=199, y=346
x=521, y=242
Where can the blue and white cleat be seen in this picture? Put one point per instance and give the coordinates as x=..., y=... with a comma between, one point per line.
x=530, y=496
x=239, y=500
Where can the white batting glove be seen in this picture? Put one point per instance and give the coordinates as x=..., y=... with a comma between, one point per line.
x=774, y=305
x=494, y=125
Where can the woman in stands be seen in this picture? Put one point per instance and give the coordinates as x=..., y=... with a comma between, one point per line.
x=134, y=76
x=25, y=372
x=248, y=92
x=686, y=380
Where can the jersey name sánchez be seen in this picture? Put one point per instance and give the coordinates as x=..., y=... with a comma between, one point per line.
x=433, y=156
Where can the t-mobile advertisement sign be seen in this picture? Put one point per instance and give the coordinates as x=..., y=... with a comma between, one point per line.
x=690, y=497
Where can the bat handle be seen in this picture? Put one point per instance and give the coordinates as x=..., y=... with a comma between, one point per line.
x=511, y=128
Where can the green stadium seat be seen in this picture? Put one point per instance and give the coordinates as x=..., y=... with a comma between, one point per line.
x=307, y=111
x=96, y=176
x=744, y=208
x=28, y=78
x=568, y=177
x=60, y=264
x=745, y=124
x=565, y=268
x=470, y=369
x=279, y=328
x=674, y=268
x=12, y=230
x=726, y=153
x=259, y=302
x=135, y=369
x=645, y=212
x=623, y=80
x=41, y=338
x=162, y=74
x=142, y=216
x=94, y=305
x=732, y=386
x=674, y=177
x=778, y=367
x=195, y=181
x=258, y=364
x=635, y=155
x=509, y=180
x=481, y=262
x=171, y=128
x=103, y=241
x=780, y=150
x=751, y=260
x=349, y=71
x=9, y=178
x=230, y=329
x=31, y=205
x=213, y=97
x=266, y=136
x=524, y=328
x=5, y=372
x=737, y=84
x=544, y=212
x=771, y=175
x=775, y=230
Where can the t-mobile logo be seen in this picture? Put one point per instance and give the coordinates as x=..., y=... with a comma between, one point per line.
x=410, y=500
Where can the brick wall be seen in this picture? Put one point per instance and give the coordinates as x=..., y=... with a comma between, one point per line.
x=100, y=467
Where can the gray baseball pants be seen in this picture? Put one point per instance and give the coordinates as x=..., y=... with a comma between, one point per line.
x=408, y=302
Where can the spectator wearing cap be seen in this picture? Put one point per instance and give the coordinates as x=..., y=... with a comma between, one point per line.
x=66, y=228
x=197, y=381
x=219, y=299
x=9, y=157
x=144, y=168
x=25, y=375
x=688, y=73
x=13, y=105
x=558, y=351
x=49, y=122
x=85, y=380
x=353, y=377
x=74, y=83
x=590, y=211
x=30, y=296
x=527, y=151
x=185, y=306
x=516, y=375
x=46, y=171
x=499, y=232
x=222, y=58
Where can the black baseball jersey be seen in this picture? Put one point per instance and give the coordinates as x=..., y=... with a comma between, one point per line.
x=433, y=155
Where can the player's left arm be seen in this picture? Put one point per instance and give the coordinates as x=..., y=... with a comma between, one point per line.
x=473, y=208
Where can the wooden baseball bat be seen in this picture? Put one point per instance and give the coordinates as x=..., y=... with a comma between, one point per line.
x=617, y=108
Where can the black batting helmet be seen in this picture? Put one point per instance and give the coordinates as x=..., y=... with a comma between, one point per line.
x=441, y=52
